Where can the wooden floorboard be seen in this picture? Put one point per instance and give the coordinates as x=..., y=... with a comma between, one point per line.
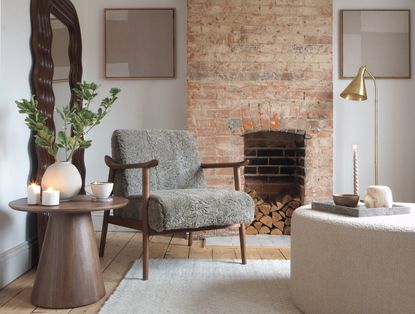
x=286, y=252
x=122, y=249
x=17, y=286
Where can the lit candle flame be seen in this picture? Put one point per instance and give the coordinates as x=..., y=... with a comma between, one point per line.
x=50, y=189
x=354, y=146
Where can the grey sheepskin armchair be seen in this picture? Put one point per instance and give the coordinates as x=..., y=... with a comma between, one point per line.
x=160, y=172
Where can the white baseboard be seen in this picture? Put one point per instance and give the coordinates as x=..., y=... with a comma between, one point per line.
x=97, y=218
x=16, y=261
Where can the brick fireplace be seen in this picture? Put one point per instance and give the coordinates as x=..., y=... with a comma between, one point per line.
x=260, y=66
x=277, y=164
x=275, y=178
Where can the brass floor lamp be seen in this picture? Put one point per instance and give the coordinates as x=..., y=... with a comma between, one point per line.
x=356, y=91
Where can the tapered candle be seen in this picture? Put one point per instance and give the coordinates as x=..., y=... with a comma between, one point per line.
x=355, y=170
x=33, y=194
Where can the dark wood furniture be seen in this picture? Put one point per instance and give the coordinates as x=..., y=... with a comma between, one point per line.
x=42, y=78
x=143, y=223
x=69, y=271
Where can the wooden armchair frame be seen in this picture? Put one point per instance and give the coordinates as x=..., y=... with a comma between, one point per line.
x=143, y=223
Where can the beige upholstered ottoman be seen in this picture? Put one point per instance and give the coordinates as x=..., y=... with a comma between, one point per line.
x=343, y=264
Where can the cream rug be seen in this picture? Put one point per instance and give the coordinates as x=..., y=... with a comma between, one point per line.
x=204, y=286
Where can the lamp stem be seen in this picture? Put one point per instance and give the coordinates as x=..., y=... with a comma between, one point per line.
x=376, y=128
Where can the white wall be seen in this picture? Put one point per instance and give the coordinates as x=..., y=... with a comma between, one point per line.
x=15, y=63
x=353, y=121
x=142, y=103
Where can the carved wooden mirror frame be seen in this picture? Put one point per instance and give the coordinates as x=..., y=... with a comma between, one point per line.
x=42, y=78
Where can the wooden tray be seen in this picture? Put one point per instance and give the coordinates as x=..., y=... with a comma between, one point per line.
x=360, y=211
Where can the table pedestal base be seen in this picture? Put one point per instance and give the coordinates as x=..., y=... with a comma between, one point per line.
x=69, y=271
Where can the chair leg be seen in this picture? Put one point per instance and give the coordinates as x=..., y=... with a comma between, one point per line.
x=104, y=233
x=242, y=240
x=190, y=239
x=146, y=254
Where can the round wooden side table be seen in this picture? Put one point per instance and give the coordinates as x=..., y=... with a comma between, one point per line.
x=69, y=271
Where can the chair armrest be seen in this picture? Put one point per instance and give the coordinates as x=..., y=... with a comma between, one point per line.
x=236, y=170
x=225, y=164
x=116, y=166
x=145, y=166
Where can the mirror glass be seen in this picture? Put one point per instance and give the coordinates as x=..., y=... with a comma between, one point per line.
x=60, y=84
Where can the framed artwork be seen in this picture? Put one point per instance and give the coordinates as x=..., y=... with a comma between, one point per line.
x=60, y=54
x=379, y=39
x=140, y=43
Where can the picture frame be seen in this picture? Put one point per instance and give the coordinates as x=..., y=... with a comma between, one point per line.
x=140, y=43
x=379, y=39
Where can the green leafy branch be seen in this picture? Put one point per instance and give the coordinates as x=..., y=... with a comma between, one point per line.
x=36, y=122
x=80, y=120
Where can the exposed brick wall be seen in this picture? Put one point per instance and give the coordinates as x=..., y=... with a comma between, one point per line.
x=261, y=65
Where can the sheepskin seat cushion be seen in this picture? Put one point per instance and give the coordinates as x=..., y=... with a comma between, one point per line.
x=192, y=208
x=179, y=198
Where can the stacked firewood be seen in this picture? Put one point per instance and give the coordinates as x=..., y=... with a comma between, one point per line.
x=272, y=217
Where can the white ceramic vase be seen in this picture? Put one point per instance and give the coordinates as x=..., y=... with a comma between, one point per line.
x=64, y=177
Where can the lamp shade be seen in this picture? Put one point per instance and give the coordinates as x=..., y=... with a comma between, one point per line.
x=356, y=90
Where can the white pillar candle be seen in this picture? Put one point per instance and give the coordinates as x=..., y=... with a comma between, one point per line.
x=50, y=197
x=355, y=170
x=33, y=194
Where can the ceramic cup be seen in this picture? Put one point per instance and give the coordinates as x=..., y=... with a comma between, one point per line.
x=101, y=190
